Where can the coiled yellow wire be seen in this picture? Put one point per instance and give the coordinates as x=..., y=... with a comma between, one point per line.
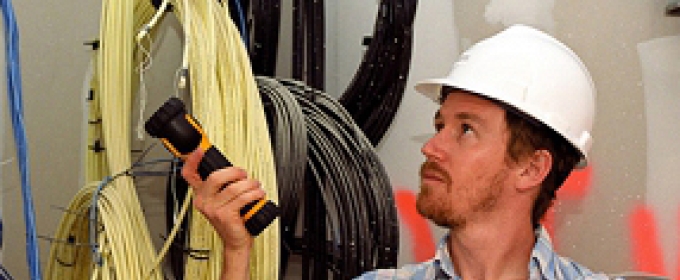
x=123, y=239
x=225, y=100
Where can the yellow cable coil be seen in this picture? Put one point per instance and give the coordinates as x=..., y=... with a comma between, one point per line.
x=226, y=101
x=123, y=237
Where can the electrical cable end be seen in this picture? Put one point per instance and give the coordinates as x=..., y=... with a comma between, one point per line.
x=183, y=80
x=142, y=33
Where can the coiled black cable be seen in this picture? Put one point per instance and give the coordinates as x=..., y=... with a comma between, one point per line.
x=375, y=92
x=298, y=58
x=316, y=38
x=350, y=223
x=288, y=135
x=265, y=27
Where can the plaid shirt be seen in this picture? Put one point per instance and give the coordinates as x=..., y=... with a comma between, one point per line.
x=544, y=264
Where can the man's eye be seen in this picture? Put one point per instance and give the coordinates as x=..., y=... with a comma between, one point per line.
x=466, y=128
x=438, y=127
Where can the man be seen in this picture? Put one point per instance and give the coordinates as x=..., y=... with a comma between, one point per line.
x=515, y=119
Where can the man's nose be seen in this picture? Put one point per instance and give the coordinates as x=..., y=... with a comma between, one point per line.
x=431, y=148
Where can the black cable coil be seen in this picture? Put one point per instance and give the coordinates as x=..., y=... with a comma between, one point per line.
x=287, y=131
x=350, y=220
x=375, y=93
x=264, y=25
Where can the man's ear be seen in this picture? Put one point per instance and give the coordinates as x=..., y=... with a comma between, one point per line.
x=534, y=169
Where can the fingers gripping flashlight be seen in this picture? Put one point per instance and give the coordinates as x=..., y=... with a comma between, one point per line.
x=181, y=134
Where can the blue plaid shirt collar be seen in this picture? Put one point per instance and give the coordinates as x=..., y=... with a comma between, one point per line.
x=544, y=263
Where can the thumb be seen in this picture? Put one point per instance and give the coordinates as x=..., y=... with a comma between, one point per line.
x=190, y=169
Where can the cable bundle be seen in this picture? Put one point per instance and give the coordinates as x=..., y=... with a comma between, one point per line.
x=103, y=233
x=238, y=15
x=309, y=50
x=350, y=222
x=287, y=130
x=226, y=102
x=15, y=102
x=265, y=22
x=374, y=95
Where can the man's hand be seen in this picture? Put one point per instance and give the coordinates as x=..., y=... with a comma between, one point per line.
x=219, y=198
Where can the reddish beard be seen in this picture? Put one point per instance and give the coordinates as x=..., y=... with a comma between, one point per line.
x=437, y=205
x=430, y=202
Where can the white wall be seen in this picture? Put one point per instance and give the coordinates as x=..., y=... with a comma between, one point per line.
x=661, y=83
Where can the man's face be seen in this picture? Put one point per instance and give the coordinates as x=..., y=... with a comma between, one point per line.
x=465, y=168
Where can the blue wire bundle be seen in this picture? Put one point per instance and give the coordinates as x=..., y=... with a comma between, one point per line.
x=16, y=111
x=241, y=22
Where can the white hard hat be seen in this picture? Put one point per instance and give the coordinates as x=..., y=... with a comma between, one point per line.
x=532, y=72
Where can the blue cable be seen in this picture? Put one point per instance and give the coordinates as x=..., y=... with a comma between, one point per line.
x=94, y=221
x=16, y=111
x=94, y=230
x=242, y=22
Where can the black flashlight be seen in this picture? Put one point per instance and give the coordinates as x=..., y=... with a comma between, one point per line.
x=181, y=134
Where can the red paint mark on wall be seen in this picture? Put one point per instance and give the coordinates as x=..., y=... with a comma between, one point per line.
x=577, y=184
x=421, y=236
x=549, y=224
x=646, y=250
x=574, y=188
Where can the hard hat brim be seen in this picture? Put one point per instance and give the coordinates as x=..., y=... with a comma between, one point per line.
x=432, y=88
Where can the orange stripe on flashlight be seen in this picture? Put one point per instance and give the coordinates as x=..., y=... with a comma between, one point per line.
x=205, y=143
x=255, y=208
